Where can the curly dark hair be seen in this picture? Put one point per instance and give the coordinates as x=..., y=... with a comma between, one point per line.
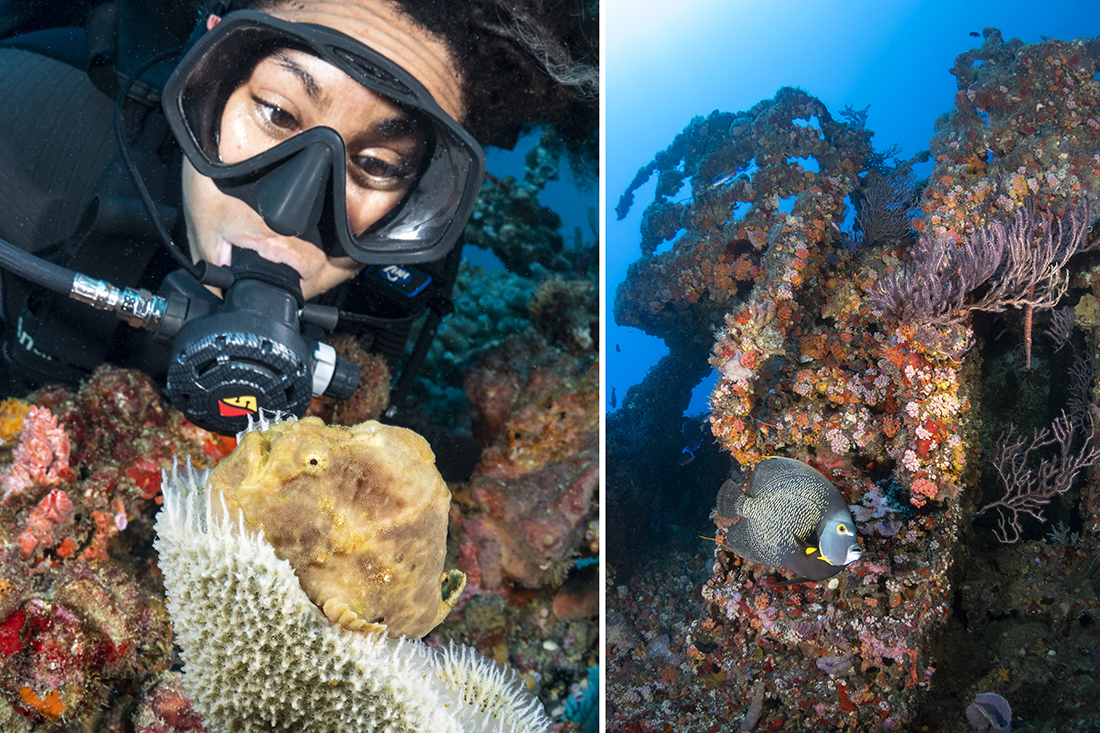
x=525, y=63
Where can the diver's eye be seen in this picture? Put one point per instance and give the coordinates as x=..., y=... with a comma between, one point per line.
x=379, y=173
x=276, y=116
x=842, y=529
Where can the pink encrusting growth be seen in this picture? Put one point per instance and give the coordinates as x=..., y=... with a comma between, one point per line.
x=42, y=456
x=50, y=513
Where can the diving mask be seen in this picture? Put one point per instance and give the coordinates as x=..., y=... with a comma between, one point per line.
x=298, y=181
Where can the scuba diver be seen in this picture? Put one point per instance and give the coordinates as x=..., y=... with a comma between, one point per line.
x=327, y=172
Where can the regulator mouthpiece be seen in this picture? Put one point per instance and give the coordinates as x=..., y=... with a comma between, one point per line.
x=248, y=353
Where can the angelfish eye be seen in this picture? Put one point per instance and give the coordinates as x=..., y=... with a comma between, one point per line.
x=842, y=529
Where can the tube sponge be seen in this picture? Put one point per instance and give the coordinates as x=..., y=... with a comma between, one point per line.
x=258, y=655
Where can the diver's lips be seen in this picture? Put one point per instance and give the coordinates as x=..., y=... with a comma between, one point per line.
x=265, y=250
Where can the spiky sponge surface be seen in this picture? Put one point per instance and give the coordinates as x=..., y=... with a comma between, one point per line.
x=259, y=656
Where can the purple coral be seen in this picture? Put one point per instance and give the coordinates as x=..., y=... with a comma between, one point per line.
x=885, y=209
x=1028, y=490
x=1021, y=264
x=1061, y=326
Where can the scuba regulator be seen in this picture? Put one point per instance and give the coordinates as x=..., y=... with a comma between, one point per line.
x=251, y=351
x=258, y=348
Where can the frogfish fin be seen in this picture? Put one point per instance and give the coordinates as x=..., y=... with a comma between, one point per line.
x=338, y=612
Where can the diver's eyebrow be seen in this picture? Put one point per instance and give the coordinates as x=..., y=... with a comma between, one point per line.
x=396, y=127
x=312, y=88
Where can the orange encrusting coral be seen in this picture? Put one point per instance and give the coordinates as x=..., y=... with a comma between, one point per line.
x=52, y=705
x=12, y=411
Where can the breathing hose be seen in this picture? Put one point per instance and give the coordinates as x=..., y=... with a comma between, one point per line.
x=139, y=308
x=36, y=270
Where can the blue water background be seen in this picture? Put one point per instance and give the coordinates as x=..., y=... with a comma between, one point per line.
x=668, y=62
x=570, y=196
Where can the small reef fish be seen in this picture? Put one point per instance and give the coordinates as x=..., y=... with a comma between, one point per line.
x=613, y=402
x=792, y=518
x=694, y=432
x=726, y=176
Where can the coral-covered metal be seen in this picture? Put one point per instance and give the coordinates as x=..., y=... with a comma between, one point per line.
x=763, y=278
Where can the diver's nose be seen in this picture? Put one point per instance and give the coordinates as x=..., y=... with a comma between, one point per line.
x=292, y=196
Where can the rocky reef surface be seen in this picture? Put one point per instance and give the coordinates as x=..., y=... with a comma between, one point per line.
x=889, y=353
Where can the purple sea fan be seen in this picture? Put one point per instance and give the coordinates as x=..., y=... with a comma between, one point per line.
x=1026, y=489
x=1019, y=263
x=885, y=209
x=1061, y=326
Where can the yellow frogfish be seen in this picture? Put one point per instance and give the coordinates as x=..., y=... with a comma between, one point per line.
x=359, y=512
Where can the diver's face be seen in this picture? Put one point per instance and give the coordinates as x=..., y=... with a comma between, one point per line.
x=289, y=91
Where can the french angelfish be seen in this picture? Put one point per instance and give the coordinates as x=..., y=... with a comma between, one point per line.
x=792, y=518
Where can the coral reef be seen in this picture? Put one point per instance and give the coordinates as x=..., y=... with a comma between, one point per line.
x=41, y=458
x=509, y=220
x=494, y=305
x=490, y=306
x=583, y=706
x=165, y=708
x=899, y=412
x=545, y=282
x=565, y=312
x=67, y=641
x=806, y=163
x=1024, y=124
x=12, y=411
x=529, y=510
x=91, y=581
x=77, y=626
x=537, y=413
x=372, y=396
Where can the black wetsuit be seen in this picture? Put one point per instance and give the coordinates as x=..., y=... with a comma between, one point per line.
x=65, y=196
